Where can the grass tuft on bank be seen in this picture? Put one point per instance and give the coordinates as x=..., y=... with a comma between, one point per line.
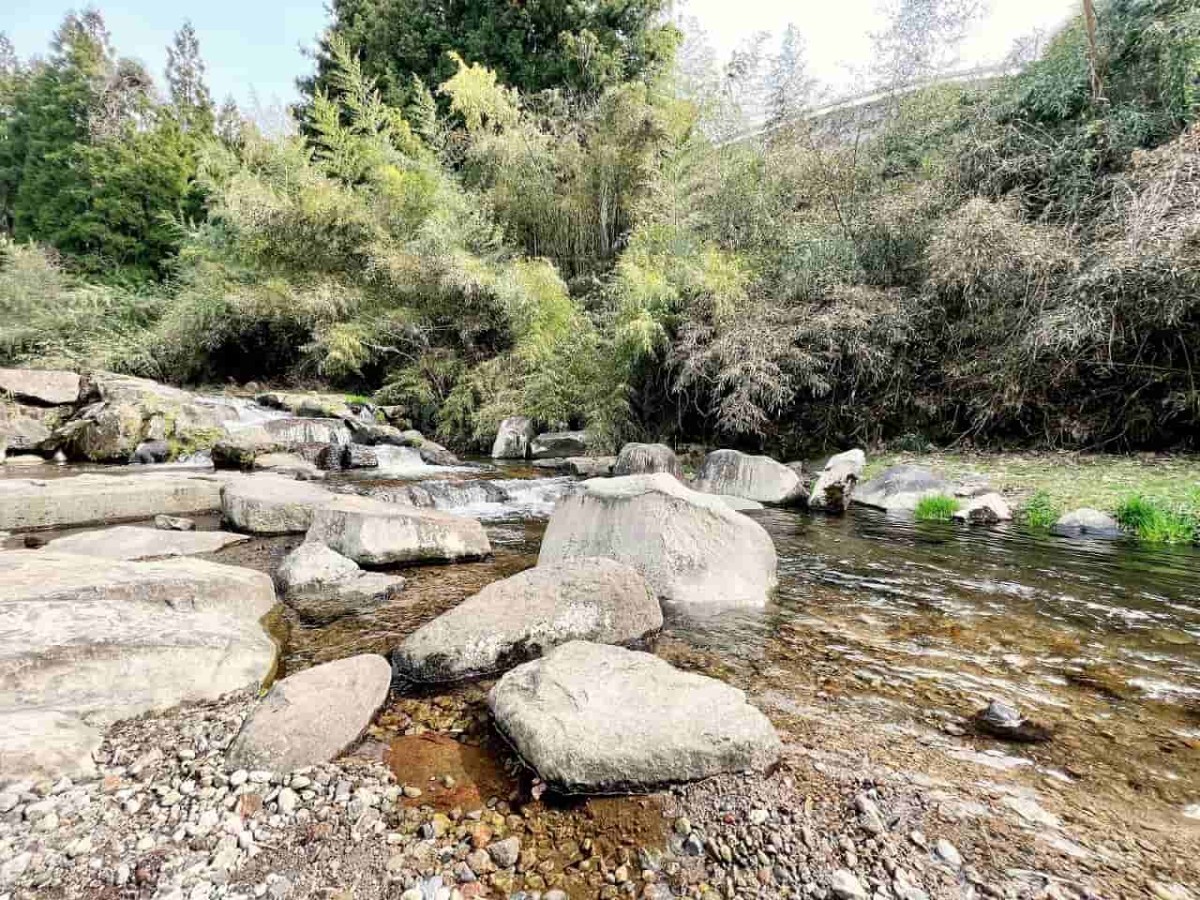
x=936, y=508
x=1156, y=520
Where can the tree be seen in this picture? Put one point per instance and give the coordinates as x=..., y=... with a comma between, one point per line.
x=922, y=38
x=790, y=87
x=185, y=82
x=582, y=47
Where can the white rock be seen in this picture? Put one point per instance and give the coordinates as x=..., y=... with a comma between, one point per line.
x=272, y=504
x=846, y=886
x=985, y=510
x=513, y=438
x=377, y=533
x=132, y=542
x=834, y=487
x=757, y=478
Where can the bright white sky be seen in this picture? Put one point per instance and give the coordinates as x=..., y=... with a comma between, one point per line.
x=254, y=49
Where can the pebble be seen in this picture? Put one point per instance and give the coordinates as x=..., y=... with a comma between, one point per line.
x=506, y=852
x=846, y=886
x=947, y=853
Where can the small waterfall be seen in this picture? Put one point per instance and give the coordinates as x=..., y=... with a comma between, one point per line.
x=502, y=499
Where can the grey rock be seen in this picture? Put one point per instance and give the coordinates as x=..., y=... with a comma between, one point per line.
x=506, y=852
x=1088, y=523
x=1005, y=721
x=132, y=542
x=91, y=499
x=900, y=488
x=359, y=456
x=377, y=533
x=583, y=466
x=739, y=504
x=48, y=387
x=322, y=585
x=513, y=438
x=596, y=718
x=646, y=459
x=101, y=639
x=303, y=430
x=522, y=617
x=835, y=485
x=988, y=509
x=313, y=716
x=150, y=452
x=691, y=548
x=947, y=853
x=23, y=429
x=271, y=504
x=174, y=523
x=845, y=886
x=557, y=444
x=312, y=565
x=752, y=477
x=286, y=464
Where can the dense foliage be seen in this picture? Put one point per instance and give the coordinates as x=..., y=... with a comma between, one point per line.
x=473, y=231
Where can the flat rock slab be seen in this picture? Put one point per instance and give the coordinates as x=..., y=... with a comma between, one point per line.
x=132, y=542
x=758, y=478
x=39, y=743
x=105, y=639
x=522, y=617
x=900, y=488
x=313, y=716
x=272, y=504
x=691, y=548
x=378, y=533
x=593, y=718
x=102, y=499
x=49, y=387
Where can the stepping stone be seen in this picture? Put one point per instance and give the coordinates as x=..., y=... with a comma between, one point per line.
x=132, y=542
x=592, y=718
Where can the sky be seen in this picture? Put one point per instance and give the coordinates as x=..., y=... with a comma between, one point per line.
x=254, y=48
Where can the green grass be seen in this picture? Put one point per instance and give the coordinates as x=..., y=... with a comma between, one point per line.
x=1040, y=511
x=1159, y=521
x=935, y=508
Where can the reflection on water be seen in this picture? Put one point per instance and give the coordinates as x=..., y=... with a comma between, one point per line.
x=1098, y=640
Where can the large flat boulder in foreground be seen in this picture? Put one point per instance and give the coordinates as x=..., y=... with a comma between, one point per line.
x=900, y=488
x=522, y=617
x=132, y=542
x=94, y=499
x=271, y=504
x=691, y=548
x=47, y=387
x=313, y=716
x=378, y=533
x=99, y=640
x=757, y=478
x=593, y=718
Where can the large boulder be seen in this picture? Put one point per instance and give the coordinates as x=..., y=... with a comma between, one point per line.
x=377, y=533
x=522, y=617
x=900, y=488
x=591, y=718
x=123, y=411
x=554, y=444
x=312, y=717
x=92, y=499
x=1088, y=523
x=834, y=487
x=132, y=542
x=322, y=585
x=45, y=387
x=752, y=477
x=513, y=438
x=271, y=504
x=646, y=459
x=691, y=548
x=290, y=432
x=96, y=640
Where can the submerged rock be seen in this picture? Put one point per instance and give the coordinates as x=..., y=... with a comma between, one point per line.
x=1088, y=523
x=47, y=387
x=271, y=504
x=594, y=718
x=646, y=459
x=1000, y=719
x=104, y=639
x=313, y=716
x=900, y=488
x=322, y=585
x=377, y=533
x=132, y=542
x=513, y=438
x=988, y=509
x=92, y=499
x=752, y=477
x=835, y=485
x=691, y=548
x=557, y=444
x=525, y=616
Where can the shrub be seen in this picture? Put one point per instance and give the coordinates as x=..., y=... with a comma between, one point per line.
x=936, y=508
x=1040, y=512
x=1158, y=521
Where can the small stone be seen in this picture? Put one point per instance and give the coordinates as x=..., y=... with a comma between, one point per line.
x=947, y=853
x=846, y=886
x=759, y=816
x=412, y=792
x=240, y=777
x=506, y=852
x=288, y=800
x=683, y=826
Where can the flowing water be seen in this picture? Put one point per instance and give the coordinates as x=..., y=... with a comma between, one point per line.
x=1098, y=640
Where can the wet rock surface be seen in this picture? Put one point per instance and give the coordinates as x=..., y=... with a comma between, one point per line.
x=556, y=444
x=524, y=616
x=758, y=478
x=593, y=718
x=1088, y=523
